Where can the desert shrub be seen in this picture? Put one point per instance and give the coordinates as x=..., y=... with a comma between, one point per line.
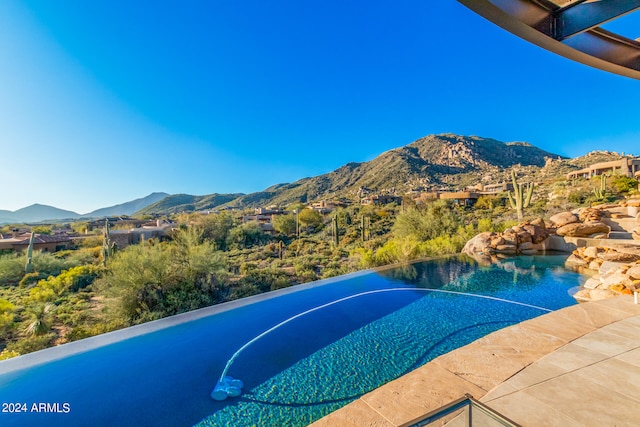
x=11, y=269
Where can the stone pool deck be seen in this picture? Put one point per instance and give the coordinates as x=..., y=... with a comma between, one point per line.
x=579, y=366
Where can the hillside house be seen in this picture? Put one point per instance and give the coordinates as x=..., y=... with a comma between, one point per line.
x=123, y=238
x=19, y=242
x=381, y=199
x=627, y=167
x=325, y=207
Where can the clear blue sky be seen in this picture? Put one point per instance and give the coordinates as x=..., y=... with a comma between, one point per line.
x=102, y=101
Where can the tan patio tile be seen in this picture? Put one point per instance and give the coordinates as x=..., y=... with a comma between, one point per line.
x=593, y=314
x=355, y=414
x=482, y=365
x=632, y=357
x=425, y=389
x=615, y=374
x=528, y=411
x=559, y=326
x=572, y=356
x=625, y=328
x=622, y=303
x=500, y=390
x=606, y=343
x=586, y=402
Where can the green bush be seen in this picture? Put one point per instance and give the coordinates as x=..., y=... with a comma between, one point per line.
x=11, y=269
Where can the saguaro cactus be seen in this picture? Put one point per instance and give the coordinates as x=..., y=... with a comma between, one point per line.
x=363, y=227
x=336, y=230
x=107, y=244
x=28, y=267
x=521, y=196
x=602, y=191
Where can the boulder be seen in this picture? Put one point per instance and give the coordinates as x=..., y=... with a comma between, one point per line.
x=538, y=222
x=479, y=244
x=591, y=252
x=589, y=214
x=609, y=267
x=594, y=265
x=634, y=272
x=524, y=237
x=615, y=279
x=583, y=295
x=619, y=257
x=497, y=241
x=600, y=294
x=575, y=261
x=538, y=234
x=563, y=218
x=506, y=249
x=583, y=230
x=592, y=283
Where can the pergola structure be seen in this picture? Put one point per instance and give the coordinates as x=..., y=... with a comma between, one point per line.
x=571, y=28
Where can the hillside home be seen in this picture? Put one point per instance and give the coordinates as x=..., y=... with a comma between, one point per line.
x=325, y=207
x=627, y=167
x=19, y=242
x=381, y=199
x=160, y=231
x=461, y=198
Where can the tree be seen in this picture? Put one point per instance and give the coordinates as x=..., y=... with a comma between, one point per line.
x=435, y=219
x=216, y=227
x=310, y=218
x=246, y=236
x=285, y=224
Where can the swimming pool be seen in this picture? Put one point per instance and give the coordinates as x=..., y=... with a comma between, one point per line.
x=162, y=373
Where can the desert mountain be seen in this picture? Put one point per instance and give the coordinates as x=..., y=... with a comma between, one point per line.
x=128, y=208
x=187, y=203
x=39, y=213
x=35, y=213
x=432, y=162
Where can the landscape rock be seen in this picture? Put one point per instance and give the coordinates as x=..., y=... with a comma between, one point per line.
x=563, y=218
x=619, y=257
x=592, y=283
x=480, y=244
x=583, y=229
x=600, y=294
x=583, y=295
x=634, y=272
x=538, y=222
x=591, y=252
x=594, y=265
x=589, y=214
x=538, y=233
x=575, y=261
x=609, y=267
x=506, y=249
x=615, y=279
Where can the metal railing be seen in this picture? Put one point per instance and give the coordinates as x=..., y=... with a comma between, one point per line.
x=464, y=412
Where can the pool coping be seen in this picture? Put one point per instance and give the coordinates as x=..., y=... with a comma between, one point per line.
x=480, y=368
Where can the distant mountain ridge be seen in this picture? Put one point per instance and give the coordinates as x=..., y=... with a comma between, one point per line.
x=128, y=208
x=428, y=163
x=187, y=203
x=434, y=162
x=39, y=213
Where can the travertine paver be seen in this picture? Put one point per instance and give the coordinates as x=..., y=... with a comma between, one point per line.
x=579, y=366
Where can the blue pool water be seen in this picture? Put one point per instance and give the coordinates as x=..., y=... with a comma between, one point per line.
x=297, y=373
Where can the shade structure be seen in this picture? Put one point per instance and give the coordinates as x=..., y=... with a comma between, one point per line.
x=571, y=28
